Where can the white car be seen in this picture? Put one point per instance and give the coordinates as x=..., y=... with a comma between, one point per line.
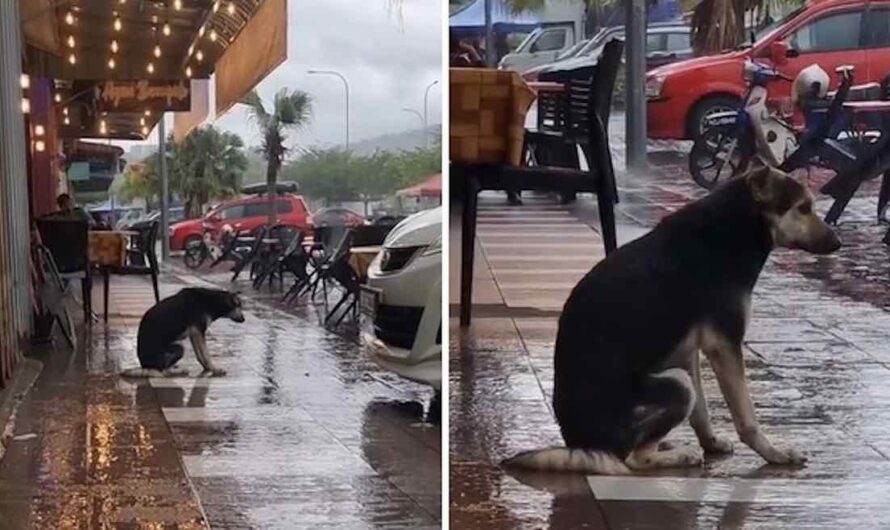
x=404, y=298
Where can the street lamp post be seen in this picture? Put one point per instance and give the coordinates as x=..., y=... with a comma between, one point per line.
x=420, y=117
x=346, y=86
x=426, y=122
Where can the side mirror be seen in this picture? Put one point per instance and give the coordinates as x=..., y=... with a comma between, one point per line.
x=779, y=52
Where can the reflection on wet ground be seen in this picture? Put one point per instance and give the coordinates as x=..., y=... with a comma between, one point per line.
x=303, y=432
x=817, y=362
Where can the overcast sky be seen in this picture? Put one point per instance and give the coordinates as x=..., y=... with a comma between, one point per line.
x=388, y=56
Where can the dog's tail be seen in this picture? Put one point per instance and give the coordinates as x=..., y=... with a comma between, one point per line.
x=575, y=460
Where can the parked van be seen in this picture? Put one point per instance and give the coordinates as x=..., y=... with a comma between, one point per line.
x=541, y=46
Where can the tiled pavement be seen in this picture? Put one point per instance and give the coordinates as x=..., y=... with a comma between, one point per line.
x=303, y=432
x=817, y=359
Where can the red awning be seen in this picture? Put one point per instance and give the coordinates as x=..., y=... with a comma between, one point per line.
x=431, y=187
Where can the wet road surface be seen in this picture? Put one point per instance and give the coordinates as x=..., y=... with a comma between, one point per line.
x=303, y=432
x=817, y=360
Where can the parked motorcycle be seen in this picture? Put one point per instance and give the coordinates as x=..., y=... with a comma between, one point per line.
x=731, y=139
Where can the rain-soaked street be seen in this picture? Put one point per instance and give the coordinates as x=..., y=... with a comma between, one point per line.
x=303, y=432
x=816, y=355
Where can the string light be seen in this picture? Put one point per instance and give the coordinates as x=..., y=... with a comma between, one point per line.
x=72, y=59
x=103, y=127
x=213, y=35
x=166, y=29
x=71, y=41
x=118, y=25
x=111, y=63
x=147, y=112
x=188, y=71
x=25, y=81
x=142, y=122
x=69, y=18
x=58, y=97
x=157, y=50
x=150, y=68
x=114, y=46
x=177, y=4
x=199, y=55
x=216, y=6
x=231, y=8
x=201, y=31
x=67, y=121
x=145, y=131
x=40, y=146
x=39, y=130
x=26, y=105
x=65, y=111
x=191, y=50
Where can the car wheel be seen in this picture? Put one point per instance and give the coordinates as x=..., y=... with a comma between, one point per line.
x=709, y=106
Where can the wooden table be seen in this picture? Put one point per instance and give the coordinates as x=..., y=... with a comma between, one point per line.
x=360, y=259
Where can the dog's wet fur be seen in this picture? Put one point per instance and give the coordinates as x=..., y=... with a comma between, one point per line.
x=186, y=314
x=627, y=351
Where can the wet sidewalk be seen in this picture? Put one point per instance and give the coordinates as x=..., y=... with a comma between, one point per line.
x=303, y=432
x=817, y=363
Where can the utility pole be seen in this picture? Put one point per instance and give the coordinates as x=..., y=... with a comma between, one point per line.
x=635, y=81
x=426, y=119
x=165, y=207
x=490, y=59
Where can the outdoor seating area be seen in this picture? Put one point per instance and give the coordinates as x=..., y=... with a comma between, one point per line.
x=573, y=114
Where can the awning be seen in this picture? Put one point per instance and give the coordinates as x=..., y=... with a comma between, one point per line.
x=471, y=19
x=127, y=42
x=431, y=187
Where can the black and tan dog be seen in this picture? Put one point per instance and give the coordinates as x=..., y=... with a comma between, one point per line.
x=187, y=314
x=626, y=356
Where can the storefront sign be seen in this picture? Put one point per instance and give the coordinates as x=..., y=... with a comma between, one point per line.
x=136, y=96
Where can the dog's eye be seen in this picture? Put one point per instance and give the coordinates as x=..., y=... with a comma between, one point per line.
x=805, y=208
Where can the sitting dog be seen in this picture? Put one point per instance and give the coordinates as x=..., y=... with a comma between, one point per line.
x=186, y=314
x=627, y=351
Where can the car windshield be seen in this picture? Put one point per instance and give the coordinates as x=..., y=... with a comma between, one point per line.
x=770, y=28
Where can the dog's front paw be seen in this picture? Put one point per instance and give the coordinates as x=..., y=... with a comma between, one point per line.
x=717, y=445
x=786, y=457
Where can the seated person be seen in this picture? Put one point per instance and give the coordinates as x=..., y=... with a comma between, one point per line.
x=69, y=210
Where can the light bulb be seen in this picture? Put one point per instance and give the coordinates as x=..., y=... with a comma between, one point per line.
x=157, y=50
x=65, y=111
x=199, y=55
x=114, y=46
x=166, y=29
x=39, y=130
x=69, y=18
x=150, y=68
x=67, y=121
x=25, y=81
x=145, y=131
x=103, y=127
x=26, y=105
x=71, y=41
x=147, y=112
x=216, y=6
x=142, y=122
x=58, y=97
x=201, y=31
x=213, y=35
x=231, y=8
x=111, y=63
x=118, y=25
x=177, y=4
x=72, y=59
x=40, y=146
x=188, y=71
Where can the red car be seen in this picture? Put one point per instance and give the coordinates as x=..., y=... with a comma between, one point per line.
x=241, y=214
x=829, y=33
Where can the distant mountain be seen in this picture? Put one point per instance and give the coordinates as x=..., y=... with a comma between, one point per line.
x=404, y=141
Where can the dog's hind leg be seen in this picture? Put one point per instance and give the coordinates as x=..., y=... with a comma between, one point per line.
x=667, y=400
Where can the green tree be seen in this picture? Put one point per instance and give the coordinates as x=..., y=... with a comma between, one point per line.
x=207, y=164
x=289, y=111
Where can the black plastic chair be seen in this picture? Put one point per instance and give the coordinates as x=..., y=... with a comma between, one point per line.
x=277, y=241
x=245, y=256
x=141, y=261
x=295, y=260
x=578, y=117
x=68, y=242
x=337, y=270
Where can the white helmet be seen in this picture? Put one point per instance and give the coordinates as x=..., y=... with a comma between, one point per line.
x=811, y=82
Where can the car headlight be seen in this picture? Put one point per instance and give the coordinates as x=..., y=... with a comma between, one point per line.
x=434, y=248
x=654, y=86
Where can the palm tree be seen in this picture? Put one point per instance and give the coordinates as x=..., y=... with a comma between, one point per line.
x=289, y=111
x=207, y=164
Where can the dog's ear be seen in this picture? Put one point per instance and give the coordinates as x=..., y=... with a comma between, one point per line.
x=764, y=183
